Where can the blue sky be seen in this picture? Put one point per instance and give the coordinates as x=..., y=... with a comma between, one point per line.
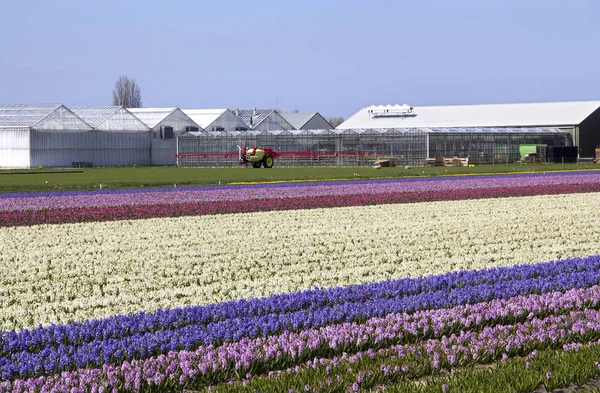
x=334, y=57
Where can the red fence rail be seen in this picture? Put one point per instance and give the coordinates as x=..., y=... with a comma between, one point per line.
x=285, y=154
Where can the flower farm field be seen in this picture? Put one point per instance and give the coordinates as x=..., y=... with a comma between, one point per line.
x=66, y=273
x=117, y=178
x=468, y=284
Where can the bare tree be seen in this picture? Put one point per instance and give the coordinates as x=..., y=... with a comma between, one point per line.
x=127, y=93
x=335, y=121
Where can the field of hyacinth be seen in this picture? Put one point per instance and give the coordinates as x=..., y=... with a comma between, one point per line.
x=466, y=284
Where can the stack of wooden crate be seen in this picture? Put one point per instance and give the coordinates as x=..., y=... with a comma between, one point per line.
x=430, y=162
x=455, y=161
x=542, y=154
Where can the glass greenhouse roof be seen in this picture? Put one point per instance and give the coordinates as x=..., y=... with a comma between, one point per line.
x=94, y=115
x=251, y=119
x=151, y=116
x=383, y=131
x=25, y=115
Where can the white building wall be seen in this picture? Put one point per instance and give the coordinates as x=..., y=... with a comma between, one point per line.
x=14, y=147
x=60, y=149
x=126, y=148
x=60, y=139
x=273, y=122
x=100, y=148
x=122, y=139
x=163, y=150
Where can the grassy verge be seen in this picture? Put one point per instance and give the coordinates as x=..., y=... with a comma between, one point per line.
x=547, y=371
x=116, y=178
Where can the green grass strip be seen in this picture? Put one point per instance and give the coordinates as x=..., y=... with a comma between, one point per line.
x=546, y=371
x=40, y=180
x=549, y=370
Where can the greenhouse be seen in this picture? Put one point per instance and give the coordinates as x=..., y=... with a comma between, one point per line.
x=52, y=135
x=41, y=135
x=362, y=147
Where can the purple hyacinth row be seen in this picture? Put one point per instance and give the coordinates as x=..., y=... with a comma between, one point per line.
x=491, y=343
x=210, y=364
x=63, y=348
x=413, y=357
x=332, y=305
x=276, y=185
x=216, y=194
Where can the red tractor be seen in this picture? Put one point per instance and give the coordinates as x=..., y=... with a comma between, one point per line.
x=257, y=157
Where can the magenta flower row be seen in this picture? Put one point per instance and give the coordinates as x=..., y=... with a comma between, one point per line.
x=240, y=193
x=130, y=212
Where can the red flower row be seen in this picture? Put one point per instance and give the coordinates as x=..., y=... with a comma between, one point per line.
x=114, y=213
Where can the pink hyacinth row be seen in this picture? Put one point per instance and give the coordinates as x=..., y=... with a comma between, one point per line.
x=528, y=329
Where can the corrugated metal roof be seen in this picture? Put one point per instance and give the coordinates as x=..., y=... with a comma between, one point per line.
x=151, y=116
x=495, y=115
x=204, y=117
x=298, y=119
x=252, y=117
x=95, y=115
x=26, y=115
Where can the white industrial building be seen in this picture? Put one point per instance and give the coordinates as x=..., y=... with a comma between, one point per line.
x=166, y=125
x=306, y=120
x=216, y=119
x=263, y=119
x=581, y=119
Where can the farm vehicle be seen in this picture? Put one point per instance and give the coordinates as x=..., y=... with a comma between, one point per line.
x=257, y=157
